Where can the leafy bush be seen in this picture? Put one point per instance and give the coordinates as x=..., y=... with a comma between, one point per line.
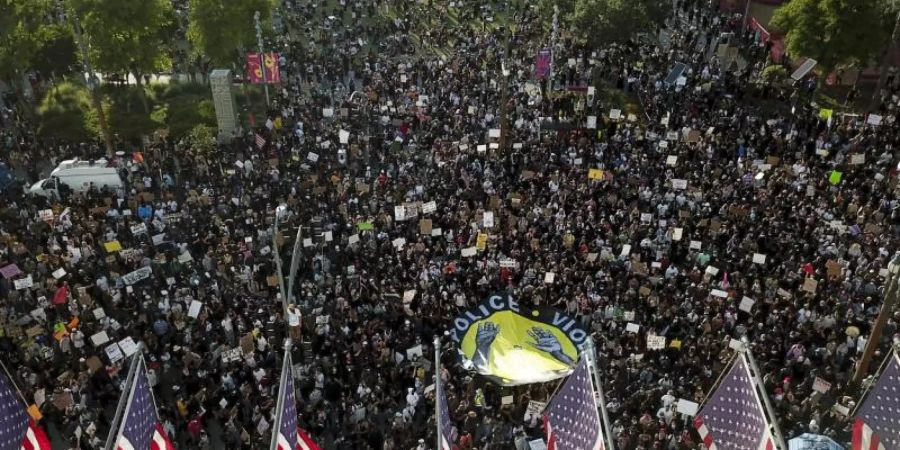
x=774, y=73
x=66, y=113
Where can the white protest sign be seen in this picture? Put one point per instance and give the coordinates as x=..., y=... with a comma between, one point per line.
x=615, y=114
x=312, y=156
x=328, y=112
x=137, y=275
x=194, y=310
x=718, y=293
x=138, y=229
x=687, y=407
x=821, y=386
x=99, y=339
x=537, y=444
x=746, y=304
x=695, y=245
x=671, y=160
x=59, y=273
x=679, y=184
x=128, y=346
x=759, y=258
x=549, y=277
x=712, y=271
x=494, y=133
x=626, y=249
x=429, y=207
x=632, y=328
x=23, y=283
x=437, y=232
x=874, y=119
x=470, y=251
x=46, y=214
x=353, y=239
x=857, y=158
x=508, y=263
x=488, y=221
x=655, y=342
x=344, y=136
x=114, y=353
x=676, y=234
x=158, y=238
x=592, y=122
x=506, y=400
x=399, y=243
x=414, y=352
x=481, y=148
x=535, y=409
x=399, y=213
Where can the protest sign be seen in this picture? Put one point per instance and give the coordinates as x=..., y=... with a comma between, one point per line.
x=821, y=386
x=746, y=304
x=687, y=407
x=114, y=353
x=759, y=258
x=138, y=229
x=481, y=242
x=10, y=271
x=137, y=275
x=655, y=342
x=429, y=207
x=112, y=246
x=595, y=174
x=549, y=277
x=194, y=310
x=23, y=283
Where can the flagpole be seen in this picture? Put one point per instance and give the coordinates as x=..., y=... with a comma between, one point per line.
x=13, y=383
x=595, y=377
x=124, y=401
x=773, y=423
x=286, y=366
x=892, y=354
x=437, y=390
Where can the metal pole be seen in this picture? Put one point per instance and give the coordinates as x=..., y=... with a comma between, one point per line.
x=437, y=392
x=887, y=308
x=124, y=400
x=773, y=424
x=278, y=212
x=295, y=260
x=746, y=16
x=262, y=56
x=286, y=371
x=592, y=367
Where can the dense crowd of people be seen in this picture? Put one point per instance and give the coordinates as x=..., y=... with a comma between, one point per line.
x=713, y=216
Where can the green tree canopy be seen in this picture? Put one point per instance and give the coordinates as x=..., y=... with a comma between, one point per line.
x=220, y=29
x=601, y=22
x=26, y=26
x=127, y=36
x=835, y=32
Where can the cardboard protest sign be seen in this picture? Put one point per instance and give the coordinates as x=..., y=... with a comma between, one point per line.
x=595, y=174
x=10, y=271
x=425, y=227
x=655, y=342
x=137, y=275
x=687, y=407
x=23, y=283
x=112, y=246
x=247, y=344
x=746, y=304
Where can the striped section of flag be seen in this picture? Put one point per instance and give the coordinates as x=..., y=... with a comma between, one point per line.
x=304, y=442
x=877, y=425
x=260, y=142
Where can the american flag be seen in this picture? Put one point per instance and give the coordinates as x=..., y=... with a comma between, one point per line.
x=877, y=425
x=289, y=436
x=733, y=418
x=260, y=142
x=140, y=428
x=572, y=421
x=17, y=428
x=447, y=431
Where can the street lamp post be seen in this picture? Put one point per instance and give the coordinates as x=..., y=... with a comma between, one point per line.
x=280, y=211
x=887, y=308
x=262, y=55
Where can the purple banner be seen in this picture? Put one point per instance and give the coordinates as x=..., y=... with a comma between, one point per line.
x=10, y=271
x=542, y=64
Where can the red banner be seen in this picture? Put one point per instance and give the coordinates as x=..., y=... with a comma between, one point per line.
x=255, y=69
x=542, y=64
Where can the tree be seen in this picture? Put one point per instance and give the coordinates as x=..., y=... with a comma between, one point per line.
x=128, y=37
x=26, y=26
x=602, y=22
x=65, y=112
x=223, y=29
x=835, y=33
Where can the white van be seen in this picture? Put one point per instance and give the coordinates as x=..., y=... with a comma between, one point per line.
x=79, y=176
